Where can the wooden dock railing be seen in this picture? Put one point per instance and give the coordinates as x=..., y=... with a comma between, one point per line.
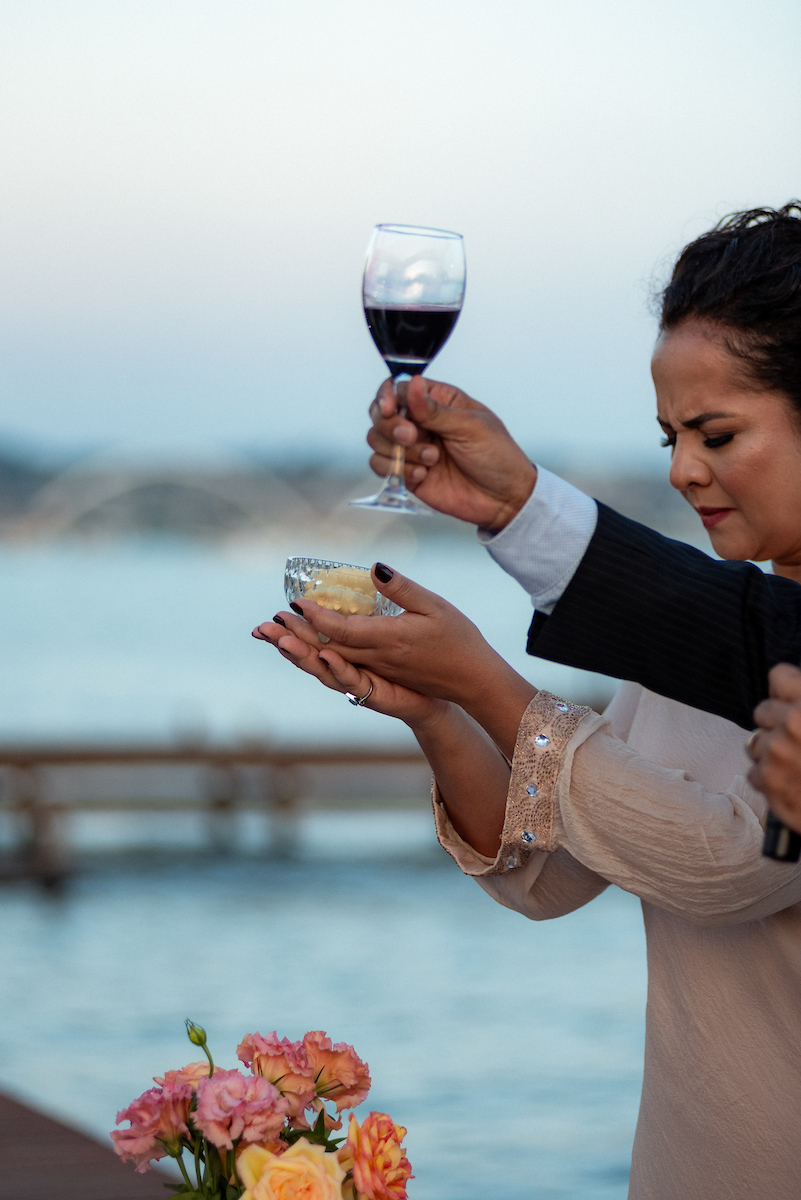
x=41, y=786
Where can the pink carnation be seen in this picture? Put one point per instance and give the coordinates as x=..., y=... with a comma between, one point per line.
x=339, y=1073
x=158, y=1119
x=231, y=1106
x=284, y=1064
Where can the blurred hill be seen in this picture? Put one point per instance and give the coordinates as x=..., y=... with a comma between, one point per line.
x=109, y=497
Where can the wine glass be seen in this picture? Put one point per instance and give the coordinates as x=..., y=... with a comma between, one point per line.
x=413, y=289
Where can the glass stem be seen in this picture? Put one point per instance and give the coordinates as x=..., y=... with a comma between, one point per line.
x=396, y=482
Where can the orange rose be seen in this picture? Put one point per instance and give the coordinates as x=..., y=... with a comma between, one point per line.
x=191, y=1074
x=339, y=1073
x=380, y=1166
x=303, y=1172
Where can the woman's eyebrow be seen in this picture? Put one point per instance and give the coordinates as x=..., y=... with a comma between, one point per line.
x=694, y=422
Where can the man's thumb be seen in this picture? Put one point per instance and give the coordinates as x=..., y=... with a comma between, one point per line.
x=438, y=406
x=402, y=591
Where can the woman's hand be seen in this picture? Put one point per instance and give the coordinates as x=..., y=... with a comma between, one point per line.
x=298, y=642
x=432, y=649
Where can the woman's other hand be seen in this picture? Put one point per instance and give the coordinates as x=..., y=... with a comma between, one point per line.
x=297, y=641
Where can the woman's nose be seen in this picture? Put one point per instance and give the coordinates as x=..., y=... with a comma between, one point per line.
x=688, y=466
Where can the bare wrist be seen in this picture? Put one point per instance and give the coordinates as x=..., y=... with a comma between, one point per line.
x=439, y=714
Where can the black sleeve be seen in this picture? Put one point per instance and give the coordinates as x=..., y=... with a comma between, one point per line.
x=646, y=608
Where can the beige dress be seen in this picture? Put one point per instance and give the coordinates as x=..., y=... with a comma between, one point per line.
x=653, y=797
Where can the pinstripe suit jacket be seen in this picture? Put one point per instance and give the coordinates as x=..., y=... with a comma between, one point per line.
x=646, y=608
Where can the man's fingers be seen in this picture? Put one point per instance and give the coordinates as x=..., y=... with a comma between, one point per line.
x=771, y=713
x=439, y=406
x=414, y=474
x=785, y=682
x=422, y=450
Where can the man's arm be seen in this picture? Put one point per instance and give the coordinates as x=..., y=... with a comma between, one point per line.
x=637, y=605
x=641, y=606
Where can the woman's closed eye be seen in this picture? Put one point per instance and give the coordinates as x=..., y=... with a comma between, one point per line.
x=710, y=443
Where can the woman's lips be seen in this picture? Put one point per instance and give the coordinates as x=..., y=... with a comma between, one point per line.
x=712, y=516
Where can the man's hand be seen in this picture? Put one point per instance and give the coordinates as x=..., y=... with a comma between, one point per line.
x=460, y=458
x=776, y=749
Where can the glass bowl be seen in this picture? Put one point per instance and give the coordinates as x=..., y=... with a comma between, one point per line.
x=343, y=587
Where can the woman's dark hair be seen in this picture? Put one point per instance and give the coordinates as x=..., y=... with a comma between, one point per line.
x=745, y=276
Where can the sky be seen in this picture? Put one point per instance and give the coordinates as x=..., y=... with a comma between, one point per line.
x=187, y=189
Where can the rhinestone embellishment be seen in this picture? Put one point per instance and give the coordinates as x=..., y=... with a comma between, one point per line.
x=542, y=740
x=511, y=861
x=532, y=790
x=528, y=836
x=562, y=707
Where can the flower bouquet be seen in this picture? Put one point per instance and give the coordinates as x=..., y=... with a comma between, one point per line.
x=268, y=1135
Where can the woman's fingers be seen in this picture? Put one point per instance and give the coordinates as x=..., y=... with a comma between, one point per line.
x=348, y=676
x=287, y=622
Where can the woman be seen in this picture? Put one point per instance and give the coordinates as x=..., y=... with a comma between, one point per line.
x=546, y=803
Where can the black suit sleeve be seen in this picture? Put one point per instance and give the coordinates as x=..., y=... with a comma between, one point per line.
x=646, y=608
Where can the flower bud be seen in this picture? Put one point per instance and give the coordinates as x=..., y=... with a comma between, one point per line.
x=195, y=1033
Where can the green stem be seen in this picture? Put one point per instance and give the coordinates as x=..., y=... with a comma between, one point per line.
x=207, y=1052
x=197, y=1162
x=179, y=1158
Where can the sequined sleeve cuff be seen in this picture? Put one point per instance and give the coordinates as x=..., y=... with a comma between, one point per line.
x=547, y=727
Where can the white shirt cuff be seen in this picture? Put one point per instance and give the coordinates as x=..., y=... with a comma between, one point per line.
x=543, y=545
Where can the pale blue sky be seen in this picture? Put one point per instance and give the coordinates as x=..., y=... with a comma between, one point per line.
x=187, y=188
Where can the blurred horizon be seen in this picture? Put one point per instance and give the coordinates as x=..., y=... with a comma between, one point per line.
x=189, y=188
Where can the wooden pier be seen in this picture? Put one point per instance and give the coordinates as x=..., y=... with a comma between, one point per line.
x=43, y=787
x=41, y=1159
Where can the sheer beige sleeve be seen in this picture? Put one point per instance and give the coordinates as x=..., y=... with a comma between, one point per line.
x=623, y=819
x=530, y=873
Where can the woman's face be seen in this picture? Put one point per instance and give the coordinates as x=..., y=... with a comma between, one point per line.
x=736, y=450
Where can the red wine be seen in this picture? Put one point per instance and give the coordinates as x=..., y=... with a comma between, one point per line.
x=408, y=337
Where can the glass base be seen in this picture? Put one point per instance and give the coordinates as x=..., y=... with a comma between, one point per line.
x=394, y=497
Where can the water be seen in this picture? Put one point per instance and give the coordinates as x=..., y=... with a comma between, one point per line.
x=149, y=640
x=511, y=1050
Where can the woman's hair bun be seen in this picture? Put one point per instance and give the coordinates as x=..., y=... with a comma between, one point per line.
x=745, y=276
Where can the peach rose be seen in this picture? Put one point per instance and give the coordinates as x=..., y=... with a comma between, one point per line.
x=191, y=1074
x=381, y=1169
x=339, y=1073
x=303, y=1172
x=285, y=1064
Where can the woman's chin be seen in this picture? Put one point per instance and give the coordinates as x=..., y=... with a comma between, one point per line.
x=732, y=548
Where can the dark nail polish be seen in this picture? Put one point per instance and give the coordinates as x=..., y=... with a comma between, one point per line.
x=383, y=572
x=296, y=608
x=279, y=620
